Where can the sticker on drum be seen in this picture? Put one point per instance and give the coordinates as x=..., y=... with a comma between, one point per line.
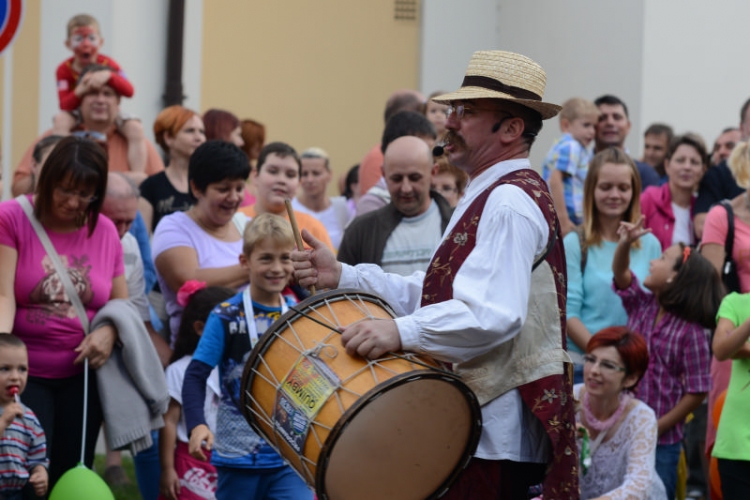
x=399, y=427
x=302, y=395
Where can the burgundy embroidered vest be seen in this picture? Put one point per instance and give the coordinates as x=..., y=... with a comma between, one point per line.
x=550, y=398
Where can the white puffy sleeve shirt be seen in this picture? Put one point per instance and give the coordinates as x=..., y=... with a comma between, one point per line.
x=489, y=305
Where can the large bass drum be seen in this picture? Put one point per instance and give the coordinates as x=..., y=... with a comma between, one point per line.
x=398, y=427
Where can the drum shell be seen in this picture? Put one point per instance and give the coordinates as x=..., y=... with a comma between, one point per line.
x=281, y=348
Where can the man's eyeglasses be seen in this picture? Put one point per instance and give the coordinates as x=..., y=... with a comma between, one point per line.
x=462, y=110
x=445, y=189
x=82, y=197
x=604, y=364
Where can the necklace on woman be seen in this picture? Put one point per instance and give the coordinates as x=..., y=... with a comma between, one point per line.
x=603, y=425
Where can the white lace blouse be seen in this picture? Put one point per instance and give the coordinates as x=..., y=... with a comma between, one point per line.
x=623, y=466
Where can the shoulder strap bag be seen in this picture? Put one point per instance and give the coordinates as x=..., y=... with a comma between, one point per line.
x=729, y=269
x=73, y=296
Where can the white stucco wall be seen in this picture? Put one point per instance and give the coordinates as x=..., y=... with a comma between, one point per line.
x=678, y=61
x=192, y=55
x=451, y=32
x=696, y=67
x=580, y=56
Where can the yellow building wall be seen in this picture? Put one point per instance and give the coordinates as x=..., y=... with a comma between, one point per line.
x=25, y=105
x=314, y=73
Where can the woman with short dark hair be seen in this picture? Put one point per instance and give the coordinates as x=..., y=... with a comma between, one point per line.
x=204, y=242
x=669, y=208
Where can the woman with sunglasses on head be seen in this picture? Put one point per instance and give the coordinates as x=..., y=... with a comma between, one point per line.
x=34, y=305
x=674, y=320
x=617, y=433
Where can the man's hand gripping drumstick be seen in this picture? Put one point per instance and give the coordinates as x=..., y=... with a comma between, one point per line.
x=318, y=267
x=297, y=236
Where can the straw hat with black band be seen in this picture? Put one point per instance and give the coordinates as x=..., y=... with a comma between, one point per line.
x=496, y=74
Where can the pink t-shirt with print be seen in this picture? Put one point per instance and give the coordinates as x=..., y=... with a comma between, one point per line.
x=45, y=319
x=715, y=231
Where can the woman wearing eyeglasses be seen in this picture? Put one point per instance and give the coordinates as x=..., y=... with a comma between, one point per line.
x=617, y=433
x=35, y=306
x=449, y=181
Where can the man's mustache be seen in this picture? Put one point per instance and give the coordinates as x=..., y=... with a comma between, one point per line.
x=450, y=138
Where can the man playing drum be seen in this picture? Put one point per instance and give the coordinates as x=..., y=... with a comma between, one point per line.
x=480, y=306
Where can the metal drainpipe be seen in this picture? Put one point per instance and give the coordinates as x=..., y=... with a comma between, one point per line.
x=175, y=31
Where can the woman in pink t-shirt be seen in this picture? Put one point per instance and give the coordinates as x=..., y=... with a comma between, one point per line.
x=713, y=247
x=33, y=302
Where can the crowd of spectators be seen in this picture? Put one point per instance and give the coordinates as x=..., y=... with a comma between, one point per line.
x=133, y=225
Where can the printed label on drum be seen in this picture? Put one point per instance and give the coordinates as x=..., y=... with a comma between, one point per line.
x=303, y=393
x=291, y=423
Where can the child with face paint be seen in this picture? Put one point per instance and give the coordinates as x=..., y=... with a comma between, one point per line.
x=84, y=40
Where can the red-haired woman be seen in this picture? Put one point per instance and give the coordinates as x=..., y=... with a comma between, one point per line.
x=223, y=126
x=254, y=137
x=617, y=433
x=179, y=131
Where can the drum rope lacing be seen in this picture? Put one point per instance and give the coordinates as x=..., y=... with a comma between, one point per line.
x=400, y=356
x=330, y=351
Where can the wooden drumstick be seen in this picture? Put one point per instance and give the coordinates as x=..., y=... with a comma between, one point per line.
x=297, y=235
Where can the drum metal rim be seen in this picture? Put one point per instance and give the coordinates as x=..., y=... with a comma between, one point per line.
x=265, y=339
x=369, y=396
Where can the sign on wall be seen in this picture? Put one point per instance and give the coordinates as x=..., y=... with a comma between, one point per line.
x=11, y=16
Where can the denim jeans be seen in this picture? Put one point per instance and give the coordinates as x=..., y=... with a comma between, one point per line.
x=667, y=458
x=275, y=484
x=148, y=469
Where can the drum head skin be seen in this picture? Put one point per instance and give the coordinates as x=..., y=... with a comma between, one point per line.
x=408, y=442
